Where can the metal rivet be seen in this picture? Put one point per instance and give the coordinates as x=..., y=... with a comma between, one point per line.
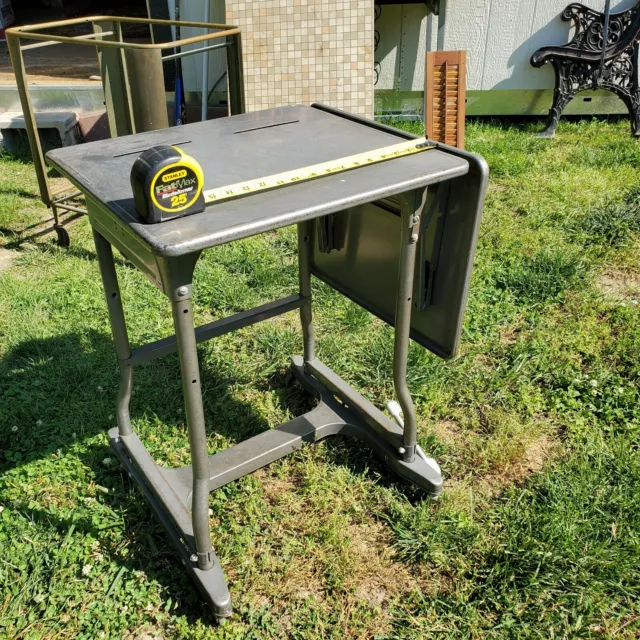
x=182, y=291
x=402, y=451
x=194, y=557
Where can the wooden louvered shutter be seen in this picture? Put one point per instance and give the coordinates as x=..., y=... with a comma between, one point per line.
x=446, y=96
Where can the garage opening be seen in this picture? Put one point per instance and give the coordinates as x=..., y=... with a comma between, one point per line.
x=67, y=63
x=31, y=11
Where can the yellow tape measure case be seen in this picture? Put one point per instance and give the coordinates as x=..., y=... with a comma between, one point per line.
x=167, y=183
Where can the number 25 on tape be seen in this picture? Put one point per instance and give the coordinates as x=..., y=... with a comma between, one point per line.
x=176, y=201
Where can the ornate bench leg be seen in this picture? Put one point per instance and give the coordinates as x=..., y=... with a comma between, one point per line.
x=562, y=96
x=554, y=118
x=634, y=112
x=632, y=102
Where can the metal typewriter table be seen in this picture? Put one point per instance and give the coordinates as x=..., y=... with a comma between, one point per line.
x=397, y=237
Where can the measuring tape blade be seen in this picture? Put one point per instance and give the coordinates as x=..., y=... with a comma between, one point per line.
x=167, y=183
x=312, y=172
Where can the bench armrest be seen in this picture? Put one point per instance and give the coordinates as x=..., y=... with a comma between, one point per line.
x=586, y=44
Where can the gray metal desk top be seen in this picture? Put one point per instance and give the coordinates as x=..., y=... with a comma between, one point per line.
x=246, y=147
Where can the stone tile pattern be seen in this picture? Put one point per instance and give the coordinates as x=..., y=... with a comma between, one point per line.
x=304, y=51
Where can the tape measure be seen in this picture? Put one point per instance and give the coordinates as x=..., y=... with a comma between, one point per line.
x=167, y=183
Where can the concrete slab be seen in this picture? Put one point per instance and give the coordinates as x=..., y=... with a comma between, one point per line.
x=61, y=120
x=63, y=125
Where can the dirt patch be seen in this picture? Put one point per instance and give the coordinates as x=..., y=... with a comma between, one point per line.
x=272, y=487
x=60, y=76
x=510, y=335
x=501, y=451
x=447, y=432
x=376, y=577
x=6, y=259
x=621, y=285
x=534, y=456
x=313, y=549
x=58, y=183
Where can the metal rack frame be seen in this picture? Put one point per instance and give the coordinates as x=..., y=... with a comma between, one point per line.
x=135, y=101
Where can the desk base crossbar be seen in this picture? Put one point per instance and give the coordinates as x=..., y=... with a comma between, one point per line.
x=340, y=410
x=217, y=328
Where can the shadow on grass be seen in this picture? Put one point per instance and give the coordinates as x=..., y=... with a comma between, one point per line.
x=75, y=251
x=148, y=548
x=35, y=230
x=59, y=392
x=21, y=154
x=18, y=191
x=23, y=157
x=343, y=450
x=51, y=397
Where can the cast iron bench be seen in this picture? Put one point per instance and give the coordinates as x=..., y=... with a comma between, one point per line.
x=580, y=65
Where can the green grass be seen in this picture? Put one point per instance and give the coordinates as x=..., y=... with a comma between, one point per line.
x=536, y=426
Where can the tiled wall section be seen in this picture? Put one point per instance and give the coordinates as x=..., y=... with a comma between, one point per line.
x=304, y=51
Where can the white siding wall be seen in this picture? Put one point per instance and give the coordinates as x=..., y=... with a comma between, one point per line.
x=501, y=35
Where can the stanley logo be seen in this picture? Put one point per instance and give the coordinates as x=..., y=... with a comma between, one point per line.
x=170, y=177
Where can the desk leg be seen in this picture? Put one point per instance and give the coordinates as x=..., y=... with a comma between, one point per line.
x=119, y=330
x=190, y=371
x=304, y=275
x=410, y=233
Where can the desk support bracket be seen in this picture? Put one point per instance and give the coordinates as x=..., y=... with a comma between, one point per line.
x=180, y=497
x=304, y=274
x=340, y=411
x=412, y=204
x=104, y=251
x=190, y=373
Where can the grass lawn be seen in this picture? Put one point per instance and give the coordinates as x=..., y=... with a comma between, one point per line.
x=536, y=426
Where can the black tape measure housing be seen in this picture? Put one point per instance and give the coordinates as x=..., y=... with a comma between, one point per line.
x=167, y=184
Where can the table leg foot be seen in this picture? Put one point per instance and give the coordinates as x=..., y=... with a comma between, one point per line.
x=174, y=518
